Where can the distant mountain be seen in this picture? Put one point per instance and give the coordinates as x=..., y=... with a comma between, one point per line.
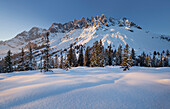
x=85, y=32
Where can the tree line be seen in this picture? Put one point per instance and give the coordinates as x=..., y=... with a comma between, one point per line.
x=95, y=56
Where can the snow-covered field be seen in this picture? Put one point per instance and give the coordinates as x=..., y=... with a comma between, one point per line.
x=87, y=88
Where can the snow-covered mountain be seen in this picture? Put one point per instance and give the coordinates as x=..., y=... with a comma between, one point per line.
x=86, y=32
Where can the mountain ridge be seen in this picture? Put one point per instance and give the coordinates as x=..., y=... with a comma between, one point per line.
x=85, y=31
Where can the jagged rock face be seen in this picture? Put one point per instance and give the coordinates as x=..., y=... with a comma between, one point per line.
x=32, y=34
x=103, y=20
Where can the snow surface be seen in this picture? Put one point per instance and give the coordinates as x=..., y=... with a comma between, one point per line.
x=87, y=88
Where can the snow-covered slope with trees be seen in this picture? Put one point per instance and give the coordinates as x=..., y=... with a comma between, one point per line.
x=86, y=88
x=86, y=32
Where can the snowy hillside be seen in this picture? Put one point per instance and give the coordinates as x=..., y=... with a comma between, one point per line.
x=86, y=32
x=87, y=88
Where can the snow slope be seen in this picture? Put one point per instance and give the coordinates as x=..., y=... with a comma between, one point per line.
x=87, y=88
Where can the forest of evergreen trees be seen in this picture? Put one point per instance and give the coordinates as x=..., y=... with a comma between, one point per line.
x=95, y=56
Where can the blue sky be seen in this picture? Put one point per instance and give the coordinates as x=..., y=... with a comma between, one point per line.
x=19, y=15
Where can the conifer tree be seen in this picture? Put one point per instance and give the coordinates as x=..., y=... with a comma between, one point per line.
x=80, y=58
x=22, y=67
x=153, y=61
x=119, y=55
x=87, y=57
x=167, y=52
x=8, y=62
x=126, y=63
x=46, y=52
x=93, y=55
x=106, y=57
x=30, y=63
x=41, y=62
x=61, y=61
x=34, y=64
x=97, y=55
x=56, y=65
x=132, y=56
x=161, y=61
x=110, y=55
x=142, y=59
x=166, y=62
x=71, y=57
x=66, y=65
x=100, y=55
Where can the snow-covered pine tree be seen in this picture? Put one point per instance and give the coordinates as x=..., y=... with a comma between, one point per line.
x=127, y=62
x=81, y=57
x=87, y=57
x=8, y=62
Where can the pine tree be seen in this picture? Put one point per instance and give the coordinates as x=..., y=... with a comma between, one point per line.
x=166, y=63
x=126, y=63
x=167, y=52
x=61, y=61
x=75, y=61
x=8, y=62
x=41, y=62
x=93, y=55
x=110, y=55
x=153, y=61
x=132, y=56
x=46, y=51
x=119, y=54
x=56, y=65
x=106, y=57
x=71, y=57
x=100, y=56
x=66, y=65
x=161, y=61
x=80, y=58
x=142, y=59
x=30, y=63
x=87, y=57
x=22, y=67
x=97, y=55
x=34, y=64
